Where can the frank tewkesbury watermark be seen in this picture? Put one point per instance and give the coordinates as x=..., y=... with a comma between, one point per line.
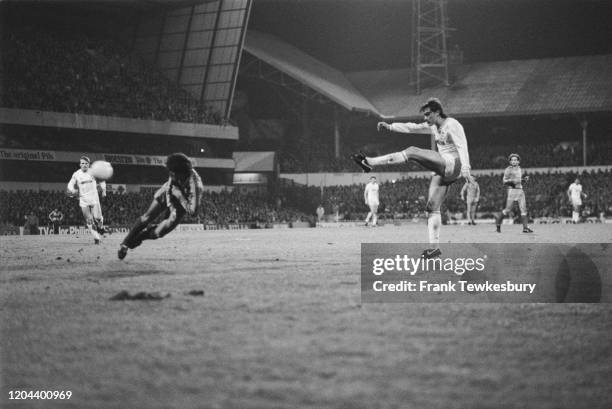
x=475, y=273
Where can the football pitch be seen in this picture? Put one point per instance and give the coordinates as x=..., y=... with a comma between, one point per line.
x=280, y=324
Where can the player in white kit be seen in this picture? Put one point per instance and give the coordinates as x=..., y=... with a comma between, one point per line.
x=448, y=163
x=370, y=195
x=87, y=188
x=575, y=195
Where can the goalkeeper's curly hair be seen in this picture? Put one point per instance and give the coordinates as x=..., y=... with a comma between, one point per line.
x=179, y=163
x=514, y=155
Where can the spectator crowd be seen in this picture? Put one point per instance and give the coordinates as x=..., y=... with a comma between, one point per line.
x=121, y=209
x=77, y=72
x=404, y=199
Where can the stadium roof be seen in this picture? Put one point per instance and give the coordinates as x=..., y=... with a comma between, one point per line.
x=518, y=87
x=311, y=72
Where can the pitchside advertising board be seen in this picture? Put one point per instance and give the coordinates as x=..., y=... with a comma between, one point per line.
x=83, y=230
x=487, y=273
x=73, y=230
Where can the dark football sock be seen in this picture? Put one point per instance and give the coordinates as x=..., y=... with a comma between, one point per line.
x=145, y=234
x=499, y=218
x=135, y=231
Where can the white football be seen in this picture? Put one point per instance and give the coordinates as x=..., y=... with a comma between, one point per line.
x=101, y=170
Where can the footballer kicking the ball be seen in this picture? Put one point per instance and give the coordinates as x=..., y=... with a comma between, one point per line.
x=447, y=164
x=180, y=195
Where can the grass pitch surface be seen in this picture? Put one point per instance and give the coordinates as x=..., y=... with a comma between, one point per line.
x=281, y=325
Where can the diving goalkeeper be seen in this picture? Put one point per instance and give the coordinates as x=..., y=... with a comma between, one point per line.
x=180, y=195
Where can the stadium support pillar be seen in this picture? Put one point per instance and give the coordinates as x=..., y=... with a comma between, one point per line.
x=584, y=124
x=336, y=133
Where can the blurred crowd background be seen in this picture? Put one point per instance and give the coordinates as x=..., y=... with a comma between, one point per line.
x=403, y=199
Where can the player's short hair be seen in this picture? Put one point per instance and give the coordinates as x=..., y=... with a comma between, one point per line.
x=85, y=158
x=434, y=105
x=179, y=163
x=514, y=155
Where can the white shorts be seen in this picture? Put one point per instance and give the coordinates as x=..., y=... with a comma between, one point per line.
x=96, y=210
x=452, y=170
x=373, y=203
x=85, y=201
x=577, y=202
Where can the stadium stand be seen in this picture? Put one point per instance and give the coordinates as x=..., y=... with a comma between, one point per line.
x=316, y=157
x=518, y=87
x=542, y=100
x=222, y=208
x=404, y=199
x=79, y=72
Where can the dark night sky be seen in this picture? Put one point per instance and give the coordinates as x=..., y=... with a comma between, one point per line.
x=374, y=34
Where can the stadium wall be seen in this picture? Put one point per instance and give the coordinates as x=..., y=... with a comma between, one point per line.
x=347, y=179
x=108, y=123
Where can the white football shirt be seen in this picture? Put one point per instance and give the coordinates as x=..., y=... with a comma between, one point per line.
x=575, y=191
x=371, y=193
x=87, y=186
x=450, y=138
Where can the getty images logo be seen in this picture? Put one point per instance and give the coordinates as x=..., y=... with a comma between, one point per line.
x=411, y=265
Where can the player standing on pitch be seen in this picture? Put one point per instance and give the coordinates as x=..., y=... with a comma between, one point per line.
x=89, y=201
x=575, y=194
x=180, y=195
x=513, y=179
x=470, y=194
x=370, y=195
x=448, y=163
